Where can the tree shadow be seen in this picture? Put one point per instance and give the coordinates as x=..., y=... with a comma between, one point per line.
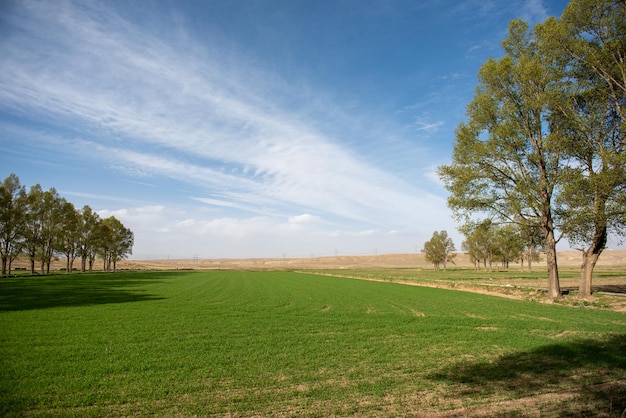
x=610, y=288
x=592, y=371
x=26, y=293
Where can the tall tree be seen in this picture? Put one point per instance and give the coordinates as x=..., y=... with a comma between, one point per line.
x=479, y=242
x=509, y=243
x=33, y=228
x=439, y=250
x=508, y=157
x=123, y=241
x=11, y=221
x=115, y=242
x=534, y=244
x=51, y=222
x=68, y=235
x=88, y=223
x=590, y=43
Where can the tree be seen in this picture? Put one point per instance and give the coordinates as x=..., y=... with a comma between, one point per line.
x=534, y=244
x=33, y=224
x=508, y=158
x=68, y=236
x=11, y=221
x=123, y=241
x=88, y=223
x=51, y=222
x=590, y=43
x=42, y=224
x=486, y=242
x=509, y=244
x=439, y=249
x=479, y=243
x=115, y=242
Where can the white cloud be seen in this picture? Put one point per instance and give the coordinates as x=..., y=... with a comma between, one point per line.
x=170, y=107
x=196, y=117
x=424, y=124
x=304, y=218
x=534, y=11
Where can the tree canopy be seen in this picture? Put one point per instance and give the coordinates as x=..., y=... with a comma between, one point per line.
x=439, y=250
x=543, y=146
x=508, y=156
x=41, y=224
x=589, y=42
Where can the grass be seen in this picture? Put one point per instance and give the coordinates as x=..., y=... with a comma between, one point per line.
x=609, y=283
x=284, y=344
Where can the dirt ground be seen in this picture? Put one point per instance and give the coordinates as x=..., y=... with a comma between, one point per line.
x=612, y=258
x=568, y=259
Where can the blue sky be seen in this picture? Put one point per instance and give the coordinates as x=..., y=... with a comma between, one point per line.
x=248, y=128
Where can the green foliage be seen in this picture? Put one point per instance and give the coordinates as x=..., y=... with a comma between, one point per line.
x=544, y=142
x=41, y=224
x=114, y=241
x=589, y=43
x=508, y=157
x=281, y=343
x=11, y=220
x=439, y=250
x=590, y=39
x=487, y=242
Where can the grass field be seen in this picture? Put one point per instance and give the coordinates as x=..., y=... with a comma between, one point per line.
x=609, y=282
x=236, y=343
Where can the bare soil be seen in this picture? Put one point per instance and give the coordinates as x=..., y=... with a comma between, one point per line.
x=608, y=258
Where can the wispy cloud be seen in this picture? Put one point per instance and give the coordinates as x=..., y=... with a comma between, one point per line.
x=223, y=127
x=265, y=159
x=424, y=124
x=534, y=11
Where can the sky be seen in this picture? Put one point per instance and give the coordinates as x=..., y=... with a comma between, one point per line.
x=248, y=128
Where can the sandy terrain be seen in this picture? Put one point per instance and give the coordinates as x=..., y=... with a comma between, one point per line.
x=566, y=259
x=569, y=258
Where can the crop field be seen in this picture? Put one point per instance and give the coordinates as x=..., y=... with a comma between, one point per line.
x=609, y=282
x=263, y=343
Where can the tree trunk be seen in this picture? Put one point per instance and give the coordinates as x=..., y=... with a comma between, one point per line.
x=4, y=265
x=586, y=273
x=83, y=264
x=590, y=258
x=554, y=288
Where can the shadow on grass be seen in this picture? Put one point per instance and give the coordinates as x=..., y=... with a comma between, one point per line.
x=592, y=371
x=26, y=293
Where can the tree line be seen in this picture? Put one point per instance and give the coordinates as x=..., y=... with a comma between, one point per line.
x=543, y=147
x=488, y=245
x=41, y=225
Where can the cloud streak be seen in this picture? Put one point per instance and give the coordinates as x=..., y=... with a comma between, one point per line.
x=221, y=126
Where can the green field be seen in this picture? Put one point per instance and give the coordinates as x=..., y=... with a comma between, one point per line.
x=292, y=344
